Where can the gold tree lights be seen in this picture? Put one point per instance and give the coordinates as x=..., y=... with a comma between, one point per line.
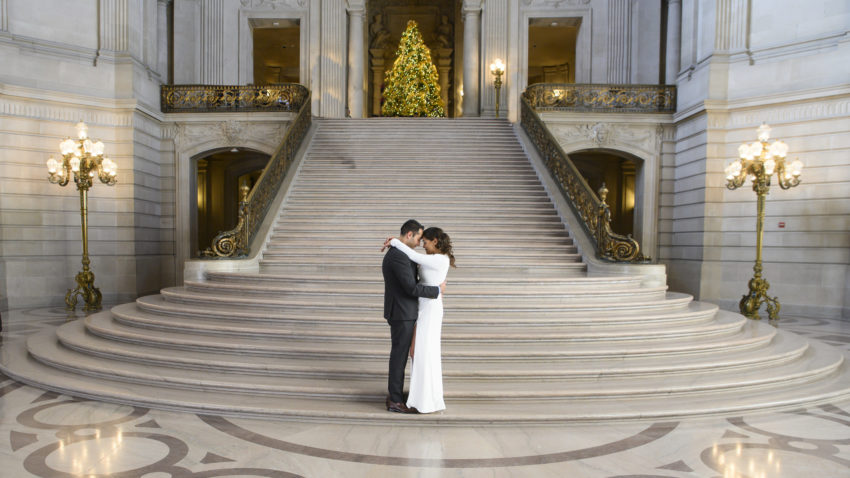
x=411, y=87
x=758, y=162
x=83, y=160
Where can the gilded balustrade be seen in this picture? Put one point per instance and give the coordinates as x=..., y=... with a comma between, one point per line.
x=601, y=98
x=253, y=206
x=594, y=213
x=215, y=98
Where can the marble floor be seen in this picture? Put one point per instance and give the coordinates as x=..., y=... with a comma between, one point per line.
x=45, y=434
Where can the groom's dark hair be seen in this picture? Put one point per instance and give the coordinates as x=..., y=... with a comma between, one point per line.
x=412, y=225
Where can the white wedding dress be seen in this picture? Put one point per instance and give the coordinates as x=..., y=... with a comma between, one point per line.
x=426, y=375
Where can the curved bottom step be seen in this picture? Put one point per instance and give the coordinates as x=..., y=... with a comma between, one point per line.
x=18, y=364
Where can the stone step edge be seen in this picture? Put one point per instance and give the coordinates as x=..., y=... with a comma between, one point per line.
x=70, y=337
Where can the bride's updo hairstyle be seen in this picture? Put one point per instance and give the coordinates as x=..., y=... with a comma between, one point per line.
x=444, y=242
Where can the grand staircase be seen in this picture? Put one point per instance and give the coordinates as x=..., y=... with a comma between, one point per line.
x=528, y=335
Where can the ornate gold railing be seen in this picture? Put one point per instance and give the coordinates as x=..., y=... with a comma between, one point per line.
x=214, y=98
x=254, y=206
x=594, y=213
x=611, y=98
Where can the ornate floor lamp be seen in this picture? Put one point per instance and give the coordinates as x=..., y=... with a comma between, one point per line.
x=758, y=162
x=83, y=159
x=497, y=68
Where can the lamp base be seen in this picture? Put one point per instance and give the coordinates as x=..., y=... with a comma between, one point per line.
x=85, y=288
x=751, y=303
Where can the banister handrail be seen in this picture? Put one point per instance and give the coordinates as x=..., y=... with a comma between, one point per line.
x=594, y=213
x=278, y=97
x=253, y=206
x=601, y=97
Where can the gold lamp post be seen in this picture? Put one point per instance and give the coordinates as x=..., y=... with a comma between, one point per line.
x=758, y=162
x=497, y=68
x=83, y=159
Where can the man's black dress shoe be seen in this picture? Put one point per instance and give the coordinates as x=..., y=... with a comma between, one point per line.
x=397, y=407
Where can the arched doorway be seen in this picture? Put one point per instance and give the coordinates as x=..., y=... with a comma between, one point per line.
x=218, y=176
x=619, y=171
x=441, y=31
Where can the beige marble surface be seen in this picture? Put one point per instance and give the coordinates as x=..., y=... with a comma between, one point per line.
x=44, y=434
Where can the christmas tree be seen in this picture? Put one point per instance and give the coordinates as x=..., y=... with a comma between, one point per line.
x=411, y=86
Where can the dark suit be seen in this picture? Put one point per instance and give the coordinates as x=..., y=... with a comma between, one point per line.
x=401, y=307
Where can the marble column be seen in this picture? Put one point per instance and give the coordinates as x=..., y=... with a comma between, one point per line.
x=471, y=48
x=377, y=55
x=162, y=39
x=444, y=68
x=674, y=40
x=619, y=41
x=356, y=11
x=494, y=45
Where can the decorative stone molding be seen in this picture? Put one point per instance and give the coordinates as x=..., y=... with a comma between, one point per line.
x=616, y=136
x=225, y=133
x=731, y=26
x=274, y=4
x=53, y=112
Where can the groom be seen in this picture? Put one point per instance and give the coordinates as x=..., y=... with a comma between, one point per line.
x=401, y=307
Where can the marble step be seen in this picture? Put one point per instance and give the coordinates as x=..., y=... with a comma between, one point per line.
x=555, y=238
x=376, y=331
x=103, y=326
x=576, y=269
x=783, y=348
x=206, y=292
x=461, y=247
x=20, y=366
x=682, y=312
x=466, y=262
x=371, y=283
x=456, y=297
x=809, y=367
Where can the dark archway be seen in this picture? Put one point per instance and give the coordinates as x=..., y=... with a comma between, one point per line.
x=619, y=172
x=218, y=176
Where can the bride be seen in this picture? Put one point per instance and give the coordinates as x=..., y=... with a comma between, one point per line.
x=426, y=376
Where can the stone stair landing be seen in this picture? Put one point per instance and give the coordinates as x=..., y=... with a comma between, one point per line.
x=528, y=335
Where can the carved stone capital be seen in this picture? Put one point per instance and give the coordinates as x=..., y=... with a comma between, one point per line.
x=274, y=4
x=471, y=6
x=356, y=7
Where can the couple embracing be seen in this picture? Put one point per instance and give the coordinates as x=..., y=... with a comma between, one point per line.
x=413, y=306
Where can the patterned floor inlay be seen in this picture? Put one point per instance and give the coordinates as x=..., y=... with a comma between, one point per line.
x=50, y=435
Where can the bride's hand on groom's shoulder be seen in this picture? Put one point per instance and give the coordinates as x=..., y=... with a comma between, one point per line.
x=386, y=244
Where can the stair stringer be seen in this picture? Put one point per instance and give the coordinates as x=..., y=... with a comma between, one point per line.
x=653, y=275
x=196, y=269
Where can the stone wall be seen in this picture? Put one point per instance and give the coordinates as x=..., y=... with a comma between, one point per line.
x=787, y=65
x=60, y=68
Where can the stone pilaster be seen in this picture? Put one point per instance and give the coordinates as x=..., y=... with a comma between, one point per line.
x=4, y=17
x=114, y=25
x=674, y=40
x=356, y=49
x=444, y=67
x=494, y=43
x=377, y=55
x=619, y=41
x=471, y=61
x=331, y=65
x=162, y=7
x=212, y=42
x=731, y=30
